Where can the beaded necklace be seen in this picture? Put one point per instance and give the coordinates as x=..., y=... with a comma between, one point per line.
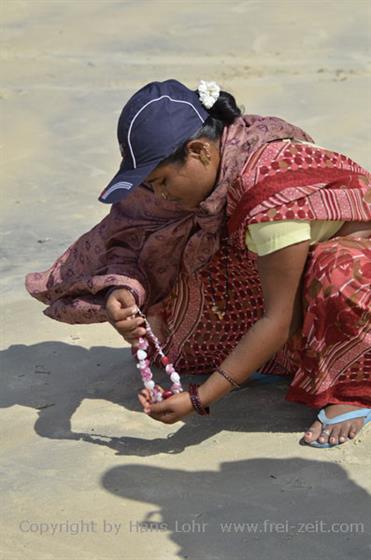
x=145, y=370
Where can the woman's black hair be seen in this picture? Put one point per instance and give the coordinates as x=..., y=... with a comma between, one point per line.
x=223, y=113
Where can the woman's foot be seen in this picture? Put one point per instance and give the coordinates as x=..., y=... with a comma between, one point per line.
x=335, y=433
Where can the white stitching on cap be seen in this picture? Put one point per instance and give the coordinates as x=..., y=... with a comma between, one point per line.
x=120, y=185
x=144, y=106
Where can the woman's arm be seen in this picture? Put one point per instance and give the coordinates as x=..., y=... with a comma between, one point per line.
x=280, y=273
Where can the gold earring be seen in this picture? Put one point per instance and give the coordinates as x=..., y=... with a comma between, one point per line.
x=164, y=195
x=205, y=159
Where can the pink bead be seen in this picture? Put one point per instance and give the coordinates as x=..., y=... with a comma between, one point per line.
x=141, y=355
x=169, y=369
x=157, y=394
x=150, y=385
x=167, y=394
x=175, y=378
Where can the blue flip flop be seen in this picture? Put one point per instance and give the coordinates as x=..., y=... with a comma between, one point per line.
x=361, y=412
x=263, y=378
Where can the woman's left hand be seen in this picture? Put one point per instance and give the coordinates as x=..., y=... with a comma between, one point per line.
x=168, y=411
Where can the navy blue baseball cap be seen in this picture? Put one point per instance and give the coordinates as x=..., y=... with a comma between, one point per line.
x=155, y=121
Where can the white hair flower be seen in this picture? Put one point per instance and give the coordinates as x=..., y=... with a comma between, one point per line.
x=208, y=93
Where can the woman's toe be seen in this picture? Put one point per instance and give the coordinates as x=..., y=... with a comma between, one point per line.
x=344, y=432
x=325, y=434
x=334, y=437
x=354, y=427
x=313, y=432
x=352, y=432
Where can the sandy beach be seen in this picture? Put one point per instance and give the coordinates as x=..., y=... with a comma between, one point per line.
x=84, y=473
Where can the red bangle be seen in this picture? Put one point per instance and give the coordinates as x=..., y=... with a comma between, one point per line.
x=227, y=377
x=195, y=399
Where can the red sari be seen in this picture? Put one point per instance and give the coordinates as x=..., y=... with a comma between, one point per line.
x=330, y=358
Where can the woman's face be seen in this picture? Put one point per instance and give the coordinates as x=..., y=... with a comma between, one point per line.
x=191, y=182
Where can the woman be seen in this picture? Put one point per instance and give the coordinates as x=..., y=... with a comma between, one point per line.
x=247, y=247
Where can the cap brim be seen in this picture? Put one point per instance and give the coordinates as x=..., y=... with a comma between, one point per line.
x=123, y=182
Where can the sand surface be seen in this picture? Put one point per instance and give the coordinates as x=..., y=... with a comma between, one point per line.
x=84, y=474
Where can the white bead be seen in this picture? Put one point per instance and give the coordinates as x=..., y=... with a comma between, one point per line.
x=149, y=385
x=175, y=377
x=141, y=354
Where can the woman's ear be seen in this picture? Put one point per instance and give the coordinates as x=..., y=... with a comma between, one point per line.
x=192, y=148
x=199, y=149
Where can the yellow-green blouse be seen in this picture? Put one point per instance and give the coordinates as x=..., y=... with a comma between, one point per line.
x=267, y=237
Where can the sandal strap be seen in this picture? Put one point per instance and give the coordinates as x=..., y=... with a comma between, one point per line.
x=360, y=413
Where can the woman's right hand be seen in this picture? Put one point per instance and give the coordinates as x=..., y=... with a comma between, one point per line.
x=121, y=312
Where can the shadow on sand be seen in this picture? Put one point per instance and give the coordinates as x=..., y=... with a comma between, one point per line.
x=54, y=378
x=258, y=508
